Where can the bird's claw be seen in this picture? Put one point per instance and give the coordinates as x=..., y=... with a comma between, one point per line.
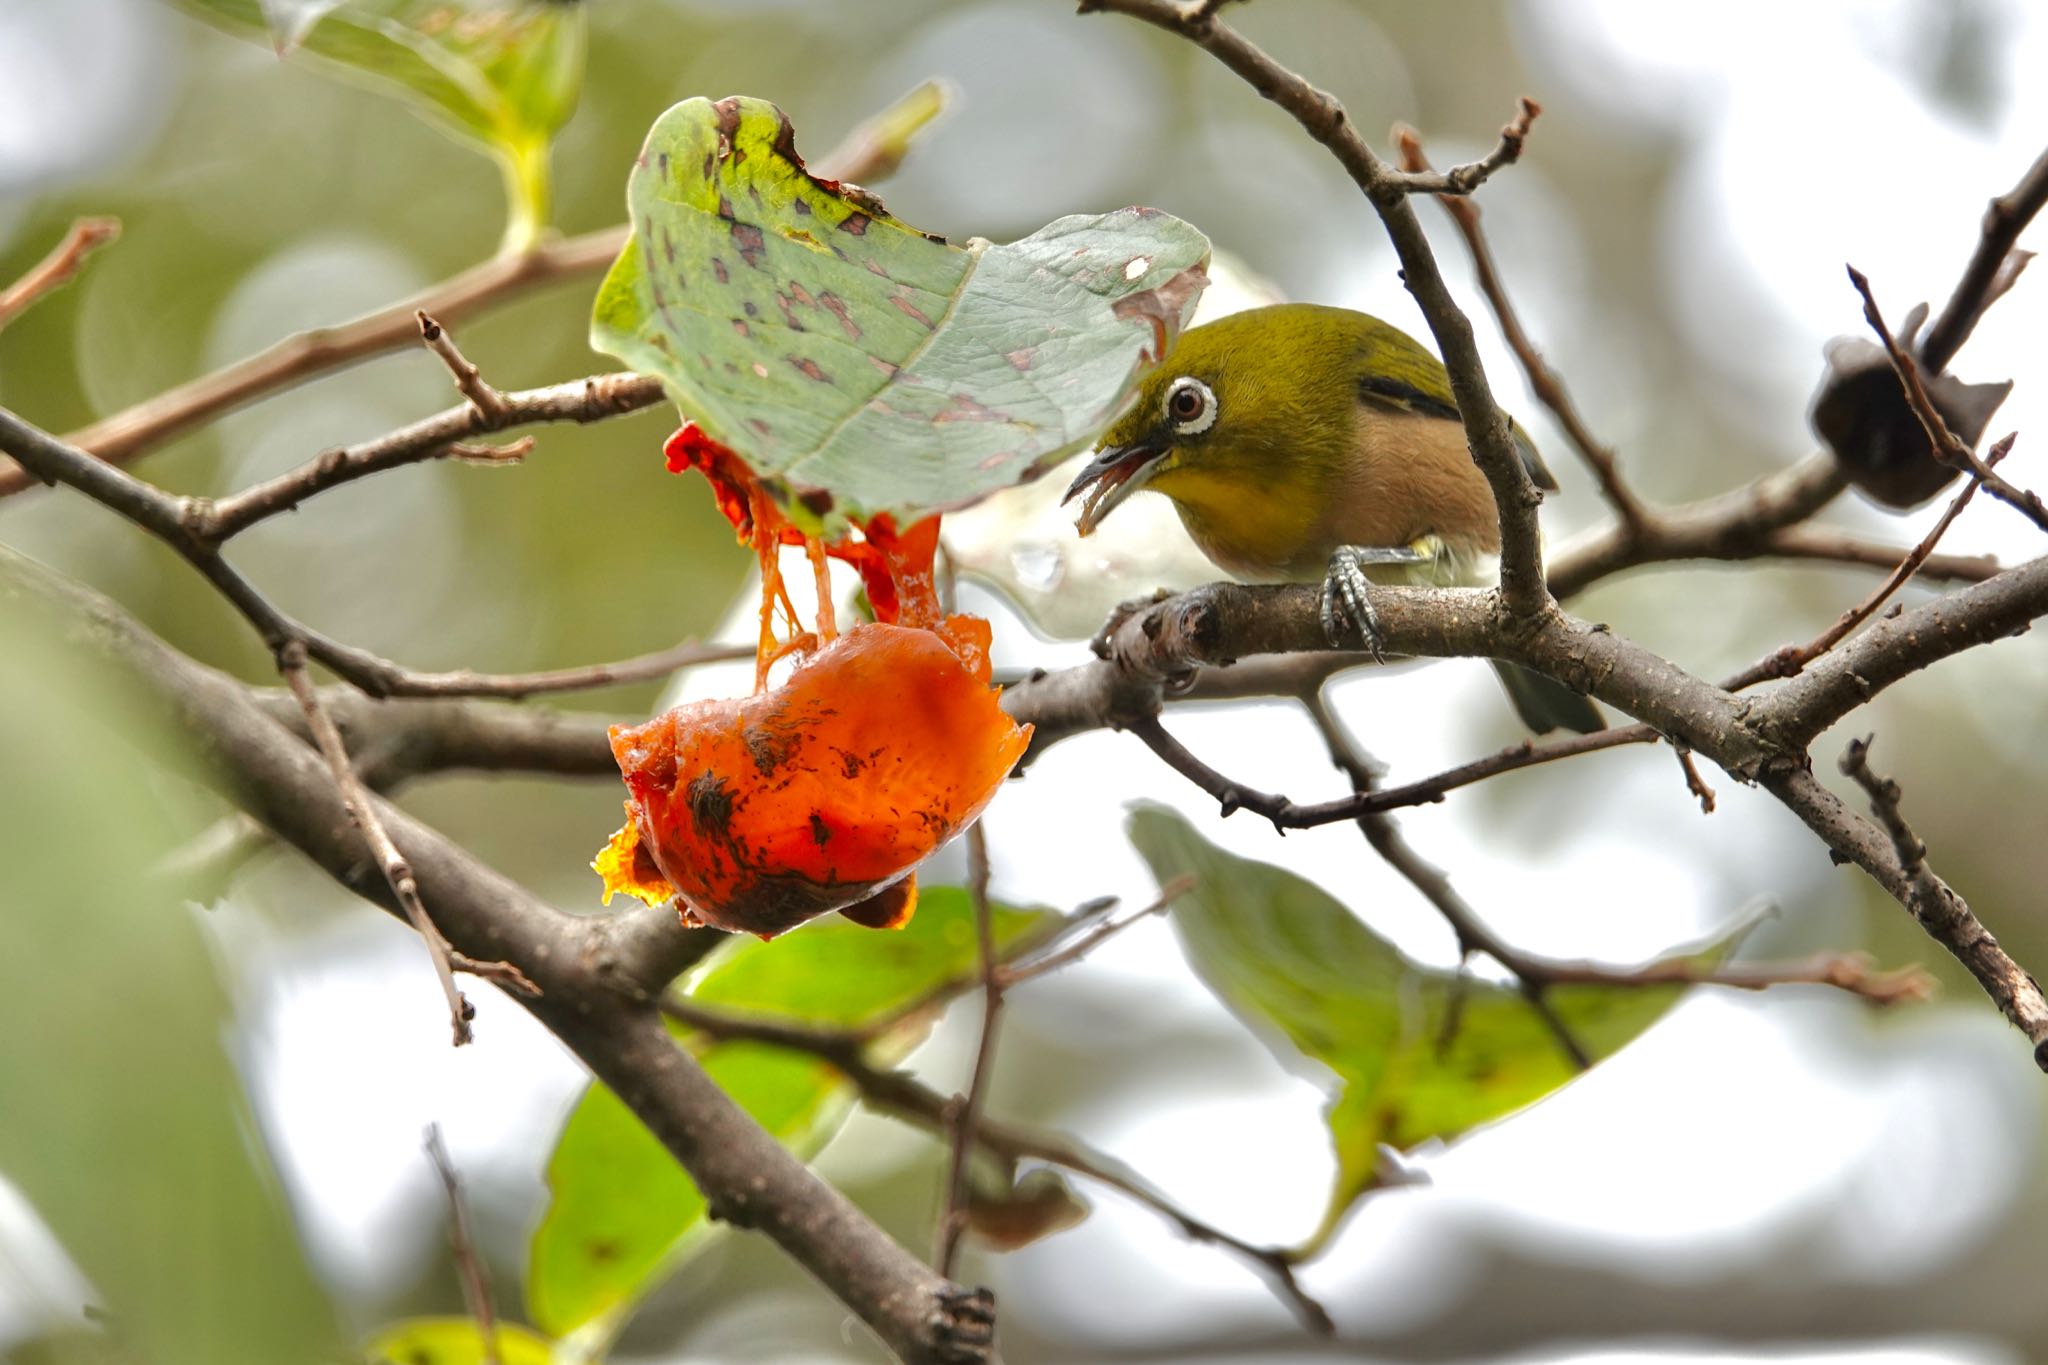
x=1347, y=607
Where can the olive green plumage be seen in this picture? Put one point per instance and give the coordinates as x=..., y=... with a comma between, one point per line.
x=1285, y=433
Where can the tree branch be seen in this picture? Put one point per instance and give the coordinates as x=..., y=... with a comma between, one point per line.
x=86, y=236
x=1543, y=380
x=1896, y=860
x=1992, y=269
x=132, y=433
x=585, y=966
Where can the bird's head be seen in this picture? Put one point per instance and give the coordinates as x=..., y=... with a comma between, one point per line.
x=1247, y=405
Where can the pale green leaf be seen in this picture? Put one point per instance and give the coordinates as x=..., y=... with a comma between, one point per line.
x=621, y=1213
x=126, y=1126
x=1309, y=977
x=502, y=76
x=857, y=364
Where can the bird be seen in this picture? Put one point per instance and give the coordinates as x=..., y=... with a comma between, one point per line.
x=1304, y=443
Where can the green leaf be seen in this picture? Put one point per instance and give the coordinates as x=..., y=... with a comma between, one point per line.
x=454, y=1341
x=1308, y=977
x=622, y=1212
x=126, y=1126
x=503, y=76
x=833, y=971
x=861, y=366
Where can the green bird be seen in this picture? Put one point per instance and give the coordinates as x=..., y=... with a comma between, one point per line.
x=1305, y=444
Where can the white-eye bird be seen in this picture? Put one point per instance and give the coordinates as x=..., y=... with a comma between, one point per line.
x=1301, y=444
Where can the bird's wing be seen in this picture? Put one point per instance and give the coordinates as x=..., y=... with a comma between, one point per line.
x=1399, y=374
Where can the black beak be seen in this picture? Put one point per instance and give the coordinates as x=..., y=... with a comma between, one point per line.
x=1116, y=472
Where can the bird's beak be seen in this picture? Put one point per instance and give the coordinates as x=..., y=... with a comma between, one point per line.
x=1116, y=472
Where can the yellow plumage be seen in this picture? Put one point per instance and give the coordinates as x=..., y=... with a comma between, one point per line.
x=1287, y=434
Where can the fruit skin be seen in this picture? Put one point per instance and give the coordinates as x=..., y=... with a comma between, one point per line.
x=765, y=811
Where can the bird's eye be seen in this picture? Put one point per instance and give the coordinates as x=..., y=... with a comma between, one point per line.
x=1190, y=406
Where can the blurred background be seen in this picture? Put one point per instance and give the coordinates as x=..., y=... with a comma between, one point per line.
x=1780, y=1177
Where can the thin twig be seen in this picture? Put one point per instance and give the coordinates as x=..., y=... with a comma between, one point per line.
x=1948, y=448
x=291, y=662
x=1079, y=945
x=1543, y=380
x=1694, y=783
x=214, y=521
x=133, y=432
x=1460, y=181
x=902, y=1095
x=1992, y=270
x=1386, y=839
x=172, y=520
x=469, y=380
x=85, y=236
x=1791, y=660
x=1940, y=911
x=1828, y=545
x=965, y=1112
x=469, y=1264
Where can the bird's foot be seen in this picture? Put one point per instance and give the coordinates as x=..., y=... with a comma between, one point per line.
x=1347, y=605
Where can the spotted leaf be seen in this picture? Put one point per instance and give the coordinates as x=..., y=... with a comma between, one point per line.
x=861, y=366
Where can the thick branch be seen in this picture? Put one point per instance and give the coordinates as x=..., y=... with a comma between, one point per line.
x=748, y=1177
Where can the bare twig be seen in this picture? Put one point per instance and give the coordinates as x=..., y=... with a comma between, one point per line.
x=1543, y=380
x=215, y=520
x=172, y=521
x=1078, y=945
x=965, y=1112
x=902, y=1095
x=129, y=434
x=1948, y=448
x=484, y=453
x=1789, y=661
x=1824, y=544
x=291, y=662
x=1694, y=783
x=1898, y=860
x=1386, y=839
x=469, y=1263
x=1418, y=177
x=469, y=380
x=86, y=236
x=1992, y=269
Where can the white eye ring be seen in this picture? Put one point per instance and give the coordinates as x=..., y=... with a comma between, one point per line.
x=1190, y=406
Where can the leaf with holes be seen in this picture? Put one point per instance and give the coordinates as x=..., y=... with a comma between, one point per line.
x=621, y=1213
x=861, y=366
x=1406, y=1053
x=502, y=76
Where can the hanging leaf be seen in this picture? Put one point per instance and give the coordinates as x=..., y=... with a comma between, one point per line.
x=1309, y=978
x=858, y=365
x=502, y=76
x=454, y=1341
x=621, y=1212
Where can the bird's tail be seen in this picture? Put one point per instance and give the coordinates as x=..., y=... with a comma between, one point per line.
x=1545, y=704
